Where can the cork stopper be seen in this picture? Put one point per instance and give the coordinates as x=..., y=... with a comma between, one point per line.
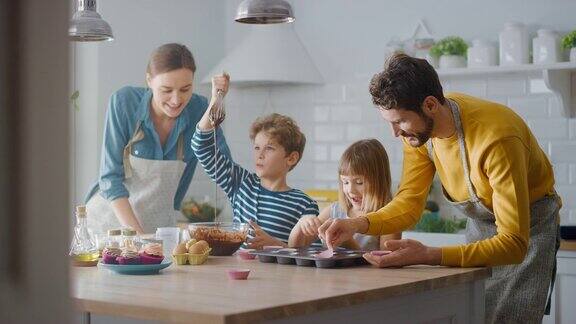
x=81, y=211
x=114, y=232
x=128, y=232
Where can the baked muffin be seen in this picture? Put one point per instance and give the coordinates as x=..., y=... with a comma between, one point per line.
x=151, y=253
x=128, y=257
x=109, y=255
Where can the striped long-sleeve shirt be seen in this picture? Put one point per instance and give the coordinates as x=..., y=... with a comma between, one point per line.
x=276, y=212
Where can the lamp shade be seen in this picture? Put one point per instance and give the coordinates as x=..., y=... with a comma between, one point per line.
x=264, y=12
x=87, y=25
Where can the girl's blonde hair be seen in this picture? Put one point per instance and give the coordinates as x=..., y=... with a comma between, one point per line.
x=366, y=158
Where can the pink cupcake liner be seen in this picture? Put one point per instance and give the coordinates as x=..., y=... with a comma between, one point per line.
x=238, y=274
x=146, y=258
x=246, y=255
x=109, y=258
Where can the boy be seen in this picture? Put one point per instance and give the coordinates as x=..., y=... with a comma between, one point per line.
x=262, y=199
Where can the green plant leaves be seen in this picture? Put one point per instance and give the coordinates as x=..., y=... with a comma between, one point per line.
x=431, y=223
x=452, y=45
x=569, y=40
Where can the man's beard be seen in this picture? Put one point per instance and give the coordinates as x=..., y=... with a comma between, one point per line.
x=424, y=136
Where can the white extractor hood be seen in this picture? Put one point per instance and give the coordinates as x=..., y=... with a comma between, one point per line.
x=270, y=54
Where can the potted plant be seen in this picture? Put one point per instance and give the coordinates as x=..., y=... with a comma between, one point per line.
x=569, y=42
x=451, y=51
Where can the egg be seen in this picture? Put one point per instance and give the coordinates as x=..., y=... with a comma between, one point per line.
x=180, y=249
x=190, y=243
x=198, y=247
x=204, y=245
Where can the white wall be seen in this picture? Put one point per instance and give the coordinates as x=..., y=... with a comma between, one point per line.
x=346, y=39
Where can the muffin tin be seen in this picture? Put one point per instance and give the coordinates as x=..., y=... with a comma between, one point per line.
x=307, y=257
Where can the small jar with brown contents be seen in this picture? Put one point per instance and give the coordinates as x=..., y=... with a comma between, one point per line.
x=129, y=239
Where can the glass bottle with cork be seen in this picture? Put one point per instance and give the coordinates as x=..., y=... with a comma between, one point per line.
x=84, y=251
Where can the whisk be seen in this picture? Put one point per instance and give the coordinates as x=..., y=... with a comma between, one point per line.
x=217, y=115
x=217, y=112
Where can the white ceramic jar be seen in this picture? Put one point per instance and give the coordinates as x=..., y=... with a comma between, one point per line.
x=482, y=53
x=546, y=47
x=514, y=44
x=573, y=54
x=452, y=61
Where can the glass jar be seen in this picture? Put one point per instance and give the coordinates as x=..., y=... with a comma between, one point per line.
x=114, y=238
x=101, y=241
x=546, y=47
x=514, y=44
x=129, y=239
x=170, y=237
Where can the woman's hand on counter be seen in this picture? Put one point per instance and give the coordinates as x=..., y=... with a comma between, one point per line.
x=404, y=253
x=125, y=214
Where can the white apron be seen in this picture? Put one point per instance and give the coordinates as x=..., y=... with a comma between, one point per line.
x=515, y=293
x=152, y=185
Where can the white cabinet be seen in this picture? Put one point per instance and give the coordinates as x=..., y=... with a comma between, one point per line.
x=563, y=309
x=564, y=297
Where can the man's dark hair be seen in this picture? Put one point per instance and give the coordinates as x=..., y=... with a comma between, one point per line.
x=405, y=83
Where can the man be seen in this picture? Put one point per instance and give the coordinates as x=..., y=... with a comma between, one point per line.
x=491, y=169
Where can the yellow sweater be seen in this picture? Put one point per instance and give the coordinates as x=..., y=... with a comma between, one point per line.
x=508, y=170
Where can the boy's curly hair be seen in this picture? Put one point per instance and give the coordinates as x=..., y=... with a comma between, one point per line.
x=284, y=130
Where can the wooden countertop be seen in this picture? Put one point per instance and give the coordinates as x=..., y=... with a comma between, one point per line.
x=204, y=293
x=568, y=245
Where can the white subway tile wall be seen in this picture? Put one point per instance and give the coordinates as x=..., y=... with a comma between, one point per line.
x=335, y=115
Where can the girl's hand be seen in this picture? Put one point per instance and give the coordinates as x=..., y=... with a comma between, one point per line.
x=220, y=83
x=261, y=238
x=309, y=225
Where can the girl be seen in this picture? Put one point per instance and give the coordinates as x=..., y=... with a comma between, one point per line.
x=363, y=187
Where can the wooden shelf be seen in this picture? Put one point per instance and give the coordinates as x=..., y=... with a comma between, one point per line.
x=568, y=245
x=560, y=78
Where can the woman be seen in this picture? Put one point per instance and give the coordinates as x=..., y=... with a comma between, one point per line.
x=147, y=162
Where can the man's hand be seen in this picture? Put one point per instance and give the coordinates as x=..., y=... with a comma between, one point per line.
x=336, y=231
x=405, y=252
x=261, y=238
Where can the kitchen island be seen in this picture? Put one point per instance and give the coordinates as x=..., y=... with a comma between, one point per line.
x=284, y=294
